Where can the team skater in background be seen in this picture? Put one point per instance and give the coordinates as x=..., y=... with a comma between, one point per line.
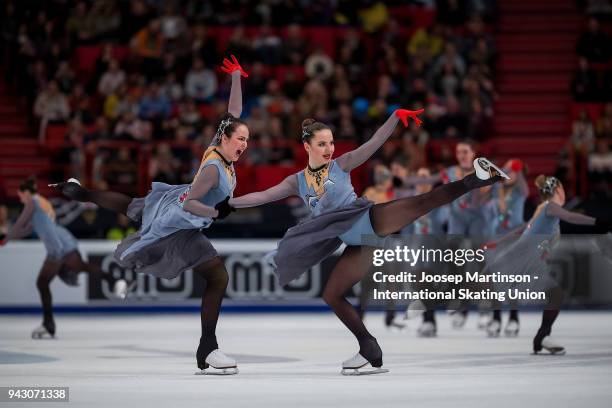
x=510, y=197
x=529, y=253
x=381, y=192
x=337, y=216
x=63, y=257
x=472, y=215
x=428, y=230
x=173, y=218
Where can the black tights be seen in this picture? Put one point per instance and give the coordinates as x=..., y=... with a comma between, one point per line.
x=50, y=269
x=106, y=199
x=216, y=279
x=389, y=217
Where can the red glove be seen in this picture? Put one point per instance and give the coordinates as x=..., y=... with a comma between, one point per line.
x=230, y=67
x=404, y=114
x=516, y=165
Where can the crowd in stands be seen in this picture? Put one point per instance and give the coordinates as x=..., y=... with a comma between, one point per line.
x=591, y=133
x=154, y=79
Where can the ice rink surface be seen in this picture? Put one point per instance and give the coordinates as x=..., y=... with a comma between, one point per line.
x=293, y=360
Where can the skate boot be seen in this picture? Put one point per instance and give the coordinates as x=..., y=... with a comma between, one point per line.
x=72, y=189
x=458, y=319
x=543, y=341
x=427, y=329
x=370, y=355
x=44, y=331
x=414, y=309
x=493, y=328
x=122, y=288
x=512, y=328
x=212, y=361
x=486, y=170
x=484, y=319
x=218, y=363
x=390, y=321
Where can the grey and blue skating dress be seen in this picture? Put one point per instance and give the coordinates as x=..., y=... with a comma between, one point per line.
x=170, y=239
x=39, y=216
x=472, y=214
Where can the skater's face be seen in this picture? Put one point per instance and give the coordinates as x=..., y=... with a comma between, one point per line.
x=236, y=144
x=320, y=148
x=24, y=196
x=423, y=188
x=465, y=155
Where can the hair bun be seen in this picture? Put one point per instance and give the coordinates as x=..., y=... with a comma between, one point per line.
x=539, y=181
x=307, y=122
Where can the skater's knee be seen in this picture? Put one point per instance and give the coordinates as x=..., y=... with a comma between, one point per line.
x=42, y=282
x=331, y=296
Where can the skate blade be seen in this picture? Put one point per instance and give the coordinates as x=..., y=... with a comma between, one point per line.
x=396, y=326
x=218, y=371
x=549, y=352
x=493, y=335
x=427, y=335
x=356, y=371
x=511, y=334
x=43, y=336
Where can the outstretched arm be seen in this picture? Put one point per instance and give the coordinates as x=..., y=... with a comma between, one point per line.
x=357, y=157
x=235, y=100
x=555, y=210
x=207, y=179
x=287, y=187
x=22, y=227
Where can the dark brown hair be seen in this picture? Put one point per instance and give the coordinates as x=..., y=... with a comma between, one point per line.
x=309, y=127
x=227, y=127
x=29, y=185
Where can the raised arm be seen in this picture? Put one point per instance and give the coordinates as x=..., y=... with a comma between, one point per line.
x=348, y=161
x=22, y=227
x=287, y=187
x=207, y=179
x=235, y=100
x=555, y=210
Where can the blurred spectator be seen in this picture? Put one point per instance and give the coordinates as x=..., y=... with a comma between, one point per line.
x=583, y=133
x=604, y=124
x=593, y=43
x=80, y=104
x=294, y=46
x=112, y=79
x=101, y=131
x=426, y=43
x=381, y=192
x=5, y=224
x=64, y=77
x=584, y=84
x=267, y=46
x=129, y=127
x=122, y=229
x=200, y=83
x=600, y=168
x=452, y=12
x=122, y=170
x=164, y=166
x=51, y=105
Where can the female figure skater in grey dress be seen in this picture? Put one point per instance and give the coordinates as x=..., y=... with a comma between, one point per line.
x=173, y=218
x=510, y=197
x=338, y=216
x=63, y=257
x=529, y=253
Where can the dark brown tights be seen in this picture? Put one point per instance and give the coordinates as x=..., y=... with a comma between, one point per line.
x=216, y=279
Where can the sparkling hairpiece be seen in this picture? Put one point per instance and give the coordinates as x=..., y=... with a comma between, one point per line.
x=550, y=184
x=305, y=134
x=221, y=130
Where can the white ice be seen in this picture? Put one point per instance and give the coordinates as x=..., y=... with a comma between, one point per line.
x=293, y=360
